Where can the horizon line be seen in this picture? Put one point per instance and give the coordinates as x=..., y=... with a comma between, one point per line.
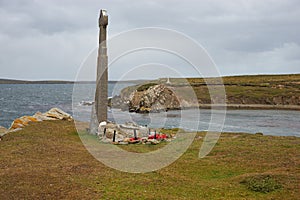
x=74, y=81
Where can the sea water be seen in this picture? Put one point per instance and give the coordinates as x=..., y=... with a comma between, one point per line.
x=17, y=100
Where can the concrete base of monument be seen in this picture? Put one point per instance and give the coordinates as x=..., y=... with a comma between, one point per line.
x=129, y=133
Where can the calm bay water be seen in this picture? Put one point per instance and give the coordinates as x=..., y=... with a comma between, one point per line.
x=19, y=99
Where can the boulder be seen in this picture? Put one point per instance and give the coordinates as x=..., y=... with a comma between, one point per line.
x=22, y=122
x=42, y=117
x=3, y=130
x=52, y=114
x=58, y=114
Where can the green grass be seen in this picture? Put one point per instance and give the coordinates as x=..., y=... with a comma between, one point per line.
x=47, y=160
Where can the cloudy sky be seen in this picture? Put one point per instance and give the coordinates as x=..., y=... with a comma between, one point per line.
x=49, y=39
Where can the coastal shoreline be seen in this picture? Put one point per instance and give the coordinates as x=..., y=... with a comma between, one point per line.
x=236, y=107
x=251, y=107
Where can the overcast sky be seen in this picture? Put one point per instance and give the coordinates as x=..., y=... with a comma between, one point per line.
x=49, y=39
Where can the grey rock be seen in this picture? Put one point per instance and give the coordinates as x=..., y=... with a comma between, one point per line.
x=52, y=114
x=154, y=99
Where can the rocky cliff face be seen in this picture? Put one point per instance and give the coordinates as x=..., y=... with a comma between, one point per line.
x=154, y=99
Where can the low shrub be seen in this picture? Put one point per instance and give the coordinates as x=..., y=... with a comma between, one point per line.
x=261, y=183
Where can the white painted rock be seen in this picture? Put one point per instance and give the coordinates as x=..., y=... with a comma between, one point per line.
x=102, y=124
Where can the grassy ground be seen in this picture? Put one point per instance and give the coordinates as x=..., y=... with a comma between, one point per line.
x=47, y=160
x=255, y=89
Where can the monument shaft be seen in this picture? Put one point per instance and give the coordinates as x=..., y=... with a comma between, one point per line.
x=101, y=95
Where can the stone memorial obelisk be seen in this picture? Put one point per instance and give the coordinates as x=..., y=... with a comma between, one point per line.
x=102, y=73
x=99, y=112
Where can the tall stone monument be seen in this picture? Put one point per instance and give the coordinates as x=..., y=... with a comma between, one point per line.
x=102, y=72
x=99, y=112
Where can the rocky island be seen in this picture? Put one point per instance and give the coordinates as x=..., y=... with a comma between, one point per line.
x=246, y=92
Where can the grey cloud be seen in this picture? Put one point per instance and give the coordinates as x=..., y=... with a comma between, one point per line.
x=44, y=17
x=48, y=36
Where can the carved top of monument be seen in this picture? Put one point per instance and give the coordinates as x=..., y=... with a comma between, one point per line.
x=103, y=20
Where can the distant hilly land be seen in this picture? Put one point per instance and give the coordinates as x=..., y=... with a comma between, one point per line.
x=241, y=80
x=13, y=81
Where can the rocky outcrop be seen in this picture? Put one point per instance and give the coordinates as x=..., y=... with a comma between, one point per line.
x=118, y=102
x=21, y=122
x=3, y=131
x=52, y=114
x=154, y=99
